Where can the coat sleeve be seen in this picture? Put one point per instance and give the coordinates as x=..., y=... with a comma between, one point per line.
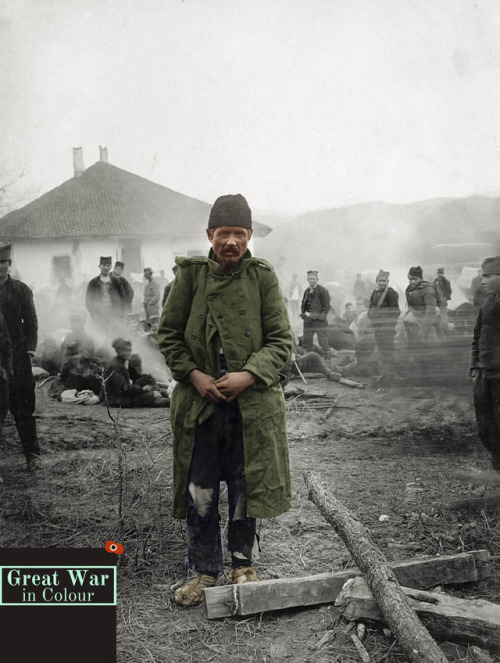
x=173, y=323
x=129, y=291
x=6, y=347
x=393, y=304
x=90, y=299
x=429, y=300
x=277, y=338
x=29, y=316
x=324, y=300
x=474, y=357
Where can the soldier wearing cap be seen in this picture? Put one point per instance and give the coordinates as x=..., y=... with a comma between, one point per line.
x=314, y=310
x=127, y=288
x=485, y=362
x=18, y=309
x=420, y=319
x=443, y=295
x=105, y=298
x=383, y=313
x=151, y=301
x=225, y=334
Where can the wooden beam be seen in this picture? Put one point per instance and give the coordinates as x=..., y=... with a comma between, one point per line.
x=463, y=621
x=420, y=573
x=413, y=638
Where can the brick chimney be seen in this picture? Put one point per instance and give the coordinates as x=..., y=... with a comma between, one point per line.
x=103, y=154
x=78, y=164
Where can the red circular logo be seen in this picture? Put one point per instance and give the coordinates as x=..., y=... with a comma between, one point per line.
x=113, y=547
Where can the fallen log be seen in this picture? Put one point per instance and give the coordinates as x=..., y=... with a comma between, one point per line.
x=349, y=382
x=413, y=638
x=463, y=621
x=352, y=383
x=420, y=573
x=490, y=499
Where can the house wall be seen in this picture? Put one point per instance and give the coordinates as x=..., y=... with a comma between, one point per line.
x=33, y=260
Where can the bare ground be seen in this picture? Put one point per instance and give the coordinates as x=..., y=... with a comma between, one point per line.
x=399, y=449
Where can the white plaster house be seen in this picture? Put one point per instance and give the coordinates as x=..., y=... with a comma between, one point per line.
x=105, y=211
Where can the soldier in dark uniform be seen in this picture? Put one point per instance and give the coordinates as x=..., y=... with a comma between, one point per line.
x=127, y=288
x=383, y=313
x=314, y=310
x=105, y=297
x=18, y=309
x=485, y=362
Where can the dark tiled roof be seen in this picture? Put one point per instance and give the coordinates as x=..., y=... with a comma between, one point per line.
x=106, y=201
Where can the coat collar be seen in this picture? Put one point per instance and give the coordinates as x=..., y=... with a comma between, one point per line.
x=215, y=268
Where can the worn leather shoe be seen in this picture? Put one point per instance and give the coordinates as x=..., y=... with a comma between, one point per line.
x=191, y=593
x=242, y=574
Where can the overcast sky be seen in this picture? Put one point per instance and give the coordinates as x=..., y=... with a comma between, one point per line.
x=297, y=104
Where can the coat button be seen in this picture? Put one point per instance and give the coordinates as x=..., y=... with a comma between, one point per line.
x=211, y=279
x=201, y=315
x=247, y=332
x=242, y=311
x=242, y=276
x=210, y=298
x=241, y=293
x=193, y=336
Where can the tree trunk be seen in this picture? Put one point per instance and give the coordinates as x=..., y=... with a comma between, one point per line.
x=412, y=636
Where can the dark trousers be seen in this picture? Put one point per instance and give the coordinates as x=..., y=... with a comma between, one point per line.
x=218, y=455
x=317, y=327
x=22, y=404
x=384, y=340
x=486, y=393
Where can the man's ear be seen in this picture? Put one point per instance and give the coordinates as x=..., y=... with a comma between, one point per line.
x=210, y=233
x=250, y=233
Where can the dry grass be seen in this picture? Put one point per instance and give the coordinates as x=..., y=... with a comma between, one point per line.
x=408, y=475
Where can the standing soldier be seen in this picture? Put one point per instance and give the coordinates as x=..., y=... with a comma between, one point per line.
x=420, y=319
x=105, y=296
x=225, y=334
x=443, y=295
x=383, y=313
x=314, y=310
x=151, y=301
x=485, y=362
x=6, y=367
x=18, y=309
x=127, y=288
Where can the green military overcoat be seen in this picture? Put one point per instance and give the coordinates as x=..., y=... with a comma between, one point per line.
x=243, y=313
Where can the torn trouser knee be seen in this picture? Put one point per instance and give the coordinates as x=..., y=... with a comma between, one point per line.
x=217, y=456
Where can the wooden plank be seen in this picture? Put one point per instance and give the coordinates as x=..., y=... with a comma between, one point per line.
x=463, y=621
x=425, y=572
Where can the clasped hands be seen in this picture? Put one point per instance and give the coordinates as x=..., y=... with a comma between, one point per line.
x=224, y=389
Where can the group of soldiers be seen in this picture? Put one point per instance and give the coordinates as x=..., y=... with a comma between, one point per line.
x=225, y=334
x=425, y=318
x=109, y=295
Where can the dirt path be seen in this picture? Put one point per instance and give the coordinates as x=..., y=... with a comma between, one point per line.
x=391, y=450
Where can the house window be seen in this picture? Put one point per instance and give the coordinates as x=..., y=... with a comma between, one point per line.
x=131, y=256
x=61, y=267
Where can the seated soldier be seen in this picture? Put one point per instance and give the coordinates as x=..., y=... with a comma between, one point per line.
x=52, y=357
x=140, y=378
x=80, y=370
x=121, y=390
x=306, y=362
x=78, y=334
